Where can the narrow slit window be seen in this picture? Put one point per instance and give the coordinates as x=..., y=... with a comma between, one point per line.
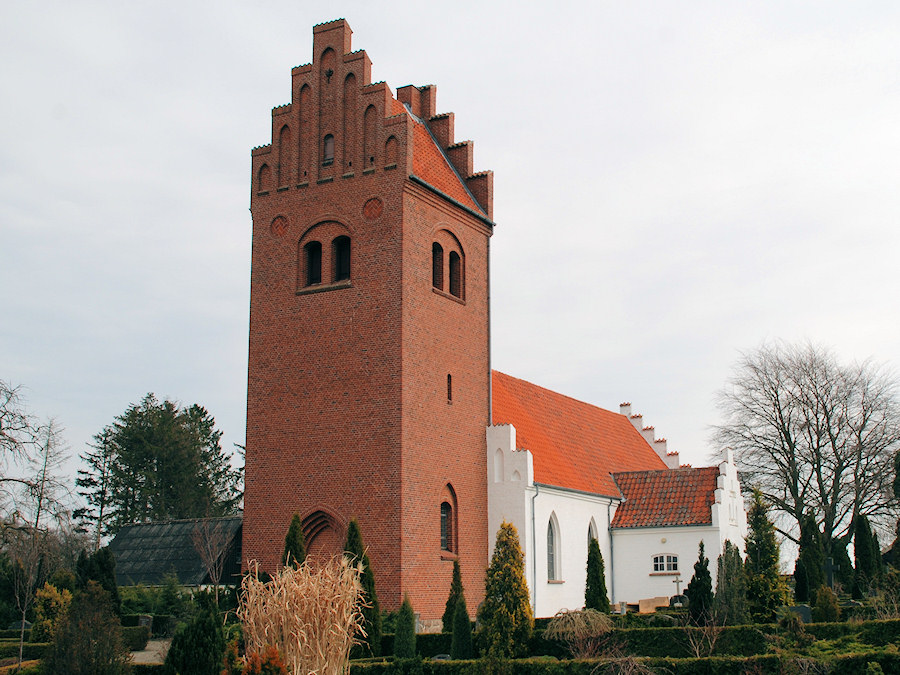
x=313, y=263
x=449, y=388
x=328, y=150
x=437, y=266
x=455, y=275
x=446, y=527
x=551, y=552
x=341, y=247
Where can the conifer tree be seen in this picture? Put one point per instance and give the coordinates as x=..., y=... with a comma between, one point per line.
x=595, y=585
x=765, y=590
x=294, y=544
x=371, y=611
x=730, y=602
x=699, y=591
x=825, y=605
x=405, y=635
x=864, y=555
x=198, y=646
x=456, y=592
x=461, y=642
x=844, y=571
x=505, y=615
x=809, y=572
x=100, y=566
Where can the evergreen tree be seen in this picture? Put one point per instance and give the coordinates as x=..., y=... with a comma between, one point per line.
x=198, y=647
x=699, y=591
x=405, y=635
x=844, y=572
x=595, y=586
x=100, y=567
x=730, y=602
x=505, y=615
x=456, y=592
x=461, y=642
x=825, y=605
x=96, y=488
x=294, y=543
x=765, y=590
x=864, y=555
x=809, y=572
x=371, y=611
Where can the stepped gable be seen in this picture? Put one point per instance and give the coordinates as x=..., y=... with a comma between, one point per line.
x=672, y=497
x=575, y=445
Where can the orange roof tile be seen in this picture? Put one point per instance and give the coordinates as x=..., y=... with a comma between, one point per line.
x=432, y=166
x=575, y=445
x=681, y=496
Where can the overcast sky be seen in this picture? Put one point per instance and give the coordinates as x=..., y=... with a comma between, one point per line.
x=674, y=183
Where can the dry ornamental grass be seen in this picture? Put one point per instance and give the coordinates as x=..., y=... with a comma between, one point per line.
x=311, y=614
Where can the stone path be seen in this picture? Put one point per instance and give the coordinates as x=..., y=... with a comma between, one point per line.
x=154, y=652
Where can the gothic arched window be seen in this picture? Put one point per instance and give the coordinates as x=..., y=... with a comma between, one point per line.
x=313, y=263
x=455, y=275
x=341, y=257
x=552, y=550
x=328, y=150
x=446, y=527
x=437, y=266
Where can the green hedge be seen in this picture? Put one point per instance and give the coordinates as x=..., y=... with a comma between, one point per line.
x=147, y=669
x=136, y=637
x=30, y=650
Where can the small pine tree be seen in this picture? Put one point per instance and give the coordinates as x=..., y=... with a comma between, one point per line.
x=456, y=591
x=505, y=618
x=864, y=555
x=198, y=647
x=294, y=543
x=100, y=566
x=730, y=603
x=699, y=591
x=461, y=642
x=595, y=586
x=405, y=637
x=825, y=605
x=809, y=572
x=50, y=608
x=371, y=609
x=89, y=639
x=765, y=590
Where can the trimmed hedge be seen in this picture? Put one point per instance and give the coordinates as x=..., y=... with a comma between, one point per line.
x=13, y=634
x=30, y=650
x=135, y=637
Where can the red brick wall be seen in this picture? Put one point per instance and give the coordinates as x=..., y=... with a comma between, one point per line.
x=347, y=410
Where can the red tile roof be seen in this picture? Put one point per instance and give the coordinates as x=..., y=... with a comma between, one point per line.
x=432, y=166
x=681, y=496
x=575, y=445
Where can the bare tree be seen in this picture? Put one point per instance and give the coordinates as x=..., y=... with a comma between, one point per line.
x=210, y=540
x=813, y=435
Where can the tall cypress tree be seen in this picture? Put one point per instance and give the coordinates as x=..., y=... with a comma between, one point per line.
x=765, y=590
x=595, y=586
x=294, y=544
x=456, y=592
x=405, y=637
x=372, y=611
x=809, y=572
x=699, y=591
x=731, y=587
x=505, y=618
x=461, y=642
x=864, y=556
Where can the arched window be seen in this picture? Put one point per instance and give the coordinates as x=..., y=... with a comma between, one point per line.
x=592, y=531
x=552, y=550
x=455, y=275
x=341, y=256
x=313, y=263
x=437, y=266
x=328, y=150
x=446, y=527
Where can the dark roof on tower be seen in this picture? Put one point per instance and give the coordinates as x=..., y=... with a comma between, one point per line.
x=575, y=445
x=147, y=552
x=682, y=496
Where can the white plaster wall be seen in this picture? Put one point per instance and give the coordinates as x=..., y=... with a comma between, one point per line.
x=729, y=514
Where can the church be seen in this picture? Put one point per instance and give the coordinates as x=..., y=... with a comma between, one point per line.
x=370, y=388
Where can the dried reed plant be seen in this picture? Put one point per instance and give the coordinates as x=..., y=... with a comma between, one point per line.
x=311, y=614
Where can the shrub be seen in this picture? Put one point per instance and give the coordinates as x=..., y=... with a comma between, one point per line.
x=198, y=646
x=461, y=644
x=100, y=567
x=405, y=637
x=583, y=631
x=505, y=615
x=595, y=585
x=731, y=587
x=321, y=604
x=294, y=543
x=50, y=608
x=88, y=640
x=825, y=605
x=456, y=591
x=268, y=663
x=136, y=637
x=699, y=591
x=371, y=610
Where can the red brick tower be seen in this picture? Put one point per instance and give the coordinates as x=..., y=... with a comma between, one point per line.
x=369, y=373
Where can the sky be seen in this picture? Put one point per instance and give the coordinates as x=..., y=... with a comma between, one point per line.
x=675, y=184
